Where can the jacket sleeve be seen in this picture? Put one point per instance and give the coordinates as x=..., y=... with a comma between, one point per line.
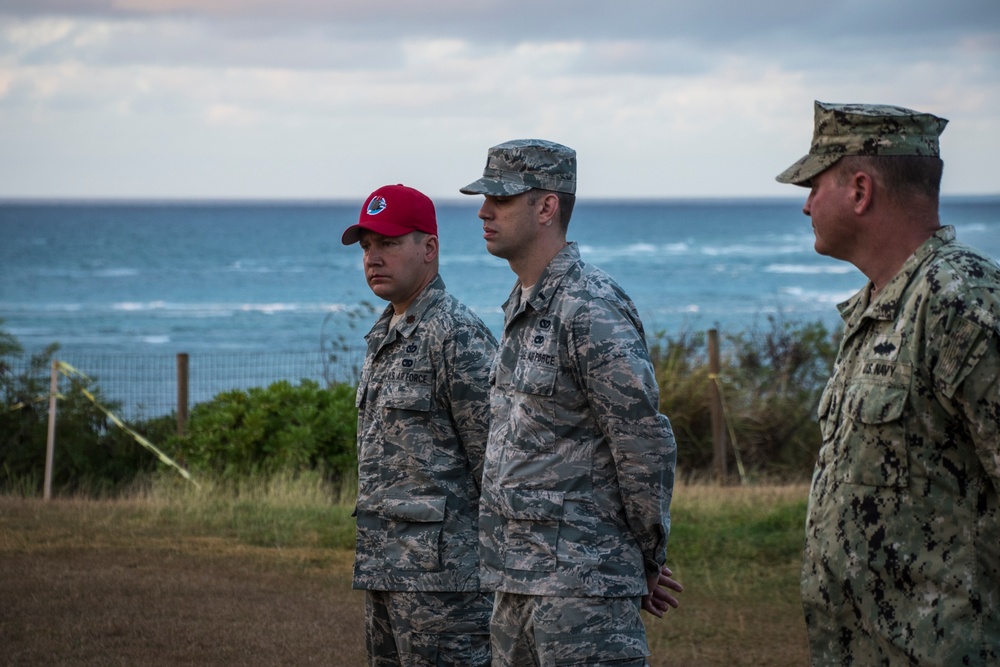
x=968, y=374
x=468, y=354
x=614, y=368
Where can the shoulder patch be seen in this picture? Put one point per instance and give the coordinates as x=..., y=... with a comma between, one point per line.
x=959, y=355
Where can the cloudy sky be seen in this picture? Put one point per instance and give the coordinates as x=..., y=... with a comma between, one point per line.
x=332, y=98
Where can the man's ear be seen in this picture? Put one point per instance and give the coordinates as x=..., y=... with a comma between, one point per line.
x=430, y=248
x=863, y=186
x=548, y=209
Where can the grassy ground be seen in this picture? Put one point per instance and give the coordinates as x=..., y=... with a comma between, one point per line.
x=259, y=573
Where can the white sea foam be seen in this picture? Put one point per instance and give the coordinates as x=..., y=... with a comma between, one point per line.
x=271, y=308
x=8, y=309
x=224, y=309
x=638, y=250
x=811, y=269
x=974, y=227
x=57, y=307
x=116, y=273
x=816, y=296
x=751, y=250
x=136, y=306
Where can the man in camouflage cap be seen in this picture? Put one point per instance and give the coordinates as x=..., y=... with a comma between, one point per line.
x=579, y=471
x=422, y=423
x=902, y=556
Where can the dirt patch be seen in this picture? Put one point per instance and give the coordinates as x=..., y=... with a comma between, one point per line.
x=79, y=587
x=143, y=607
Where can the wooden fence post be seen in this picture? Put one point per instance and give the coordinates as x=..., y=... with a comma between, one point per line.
x=50, y=443
x=718, y=417
x=182, y=392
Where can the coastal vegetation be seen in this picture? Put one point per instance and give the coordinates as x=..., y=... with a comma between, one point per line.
x=769, y=380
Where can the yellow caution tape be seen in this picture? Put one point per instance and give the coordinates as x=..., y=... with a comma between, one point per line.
x=24, y=404
x=69, y=371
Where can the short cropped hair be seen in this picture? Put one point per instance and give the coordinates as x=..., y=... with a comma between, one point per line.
x=901, y=176
x=566, y=203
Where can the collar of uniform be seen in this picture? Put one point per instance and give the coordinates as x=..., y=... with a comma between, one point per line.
x=886, y=304
x=414, y=313
x=541, y=294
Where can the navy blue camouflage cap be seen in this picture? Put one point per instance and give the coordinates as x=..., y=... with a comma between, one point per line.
x=524, y=164
x=864, y=129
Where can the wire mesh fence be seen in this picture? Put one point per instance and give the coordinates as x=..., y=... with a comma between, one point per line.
x=144, y=386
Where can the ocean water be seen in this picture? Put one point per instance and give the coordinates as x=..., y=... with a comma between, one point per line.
x=154, y=277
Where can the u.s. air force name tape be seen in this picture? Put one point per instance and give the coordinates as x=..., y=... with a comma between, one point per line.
x=69, y=372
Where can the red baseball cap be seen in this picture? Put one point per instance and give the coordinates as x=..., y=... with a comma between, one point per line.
x=394, y=210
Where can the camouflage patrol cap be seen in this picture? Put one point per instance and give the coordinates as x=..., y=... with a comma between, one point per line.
x=864, y=129
x=520, y=165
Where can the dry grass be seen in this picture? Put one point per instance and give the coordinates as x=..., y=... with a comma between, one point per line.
x=212, y=577
x=737, y=551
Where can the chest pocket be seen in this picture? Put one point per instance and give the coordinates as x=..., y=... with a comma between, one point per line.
x=531, y=378
x=408, y=395
x=875, y=434
x=536, y=368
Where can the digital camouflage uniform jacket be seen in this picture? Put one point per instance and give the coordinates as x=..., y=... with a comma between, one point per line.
x=902, y=557
x=579, y=465
x=423, y=417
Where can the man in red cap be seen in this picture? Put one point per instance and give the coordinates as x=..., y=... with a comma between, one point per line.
x=423, y=419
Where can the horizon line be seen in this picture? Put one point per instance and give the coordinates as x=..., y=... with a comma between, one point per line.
x=222, y=200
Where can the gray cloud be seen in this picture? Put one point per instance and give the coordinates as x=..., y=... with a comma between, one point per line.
x=360, y=43
x=279, y=98
x=708, y=21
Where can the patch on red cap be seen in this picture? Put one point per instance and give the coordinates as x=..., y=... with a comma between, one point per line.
x=376, y=205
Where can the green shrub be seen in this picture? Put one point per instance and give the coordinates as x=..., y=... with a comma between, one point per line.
x=770, y=381
x=774, y=382
x=91, y=453
x=283, y=427
x=681, y=366
x=23, y=411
